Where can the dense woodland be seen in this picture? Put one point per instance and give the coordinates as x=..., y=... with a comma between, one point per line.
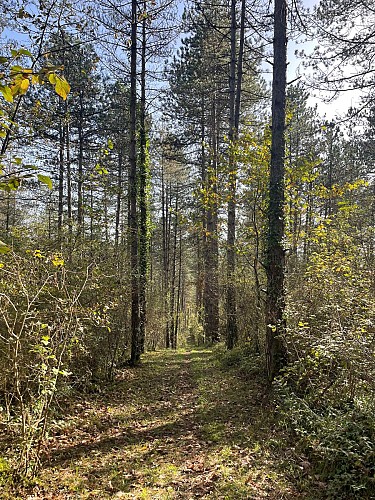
x=164, y=186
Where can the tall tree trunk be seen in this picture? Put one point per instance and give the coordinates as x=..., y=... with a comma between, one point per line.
x=91, y=215
x=235, y=89
x=203, y=210
x=133, y=223
x=80, y=170
x=172, y=303
x=200, y=278
x=143, y=243
x=232, y=177
x=211, y=286
x=179, y=292
x=165, y=280
x=68, y=178
x=276, y=355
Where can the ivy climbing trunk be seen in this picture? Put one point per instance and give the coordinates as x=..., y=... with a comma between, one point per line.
x=275, y=321
x=133, y=223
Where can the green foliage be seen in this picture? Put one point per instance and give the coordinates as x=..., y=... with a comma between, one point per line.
x=15, y=80
x=339, y=441
x=326, y=392
x=244, y=360
x=44, y=179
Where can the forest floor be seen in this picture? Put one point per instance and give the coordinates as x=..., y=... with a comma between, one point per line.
x=178, y=426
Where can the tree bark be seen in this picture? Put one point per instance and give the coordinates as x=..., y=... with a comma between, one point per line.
x=80, y=170
x=143, y=243
x=232, y=180
x=60, y=214
x=118, y=202
x=211, y=286
x=276, y=355
x=133, y=223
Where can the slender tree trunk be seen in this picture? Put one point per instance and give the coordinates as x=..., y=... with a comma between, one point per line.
x=257, y=286
x=105, y=210
x=91, y=215
x=118, y=202
x=165, y=280
x=202, y=264
x=68, y=180
x=143, y=243
x=179, y=292
x=172, y=303
x=7, y=218
x=276, y=355
x=80, y=171
x=60, y=211
x=211, y=286
x=133, y=223
x=235, y=90
x=237, y=107
x=200, y=279
x=232, y=176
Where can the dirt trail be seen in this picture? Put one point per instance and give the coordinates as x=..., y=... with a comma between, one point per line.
x=177, y=427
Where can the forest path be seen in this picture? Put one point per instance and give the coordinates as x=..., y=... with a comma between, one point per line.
x=178, y=426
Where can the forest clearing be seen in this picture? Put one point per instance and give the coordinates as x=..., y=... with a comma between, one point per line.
x=187, y=249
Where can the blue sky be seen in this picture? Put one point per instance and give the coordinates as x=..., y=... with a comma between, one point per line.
x=336, y=107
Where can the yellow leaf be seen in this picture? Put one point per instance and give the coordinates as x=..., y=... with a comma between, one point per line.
x=24, y=85
x=62, y=87
x=52, y=78
x=7, y=93
x=57, y=260
x=38, y=254
x=4, y=247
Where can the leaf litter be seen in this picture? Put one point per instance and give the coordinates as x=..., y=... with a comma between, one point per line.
x=177, y=427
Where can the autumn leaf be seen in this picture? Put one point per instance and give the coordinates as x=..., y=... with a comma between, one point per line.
x=62, y=87
x=7, y=93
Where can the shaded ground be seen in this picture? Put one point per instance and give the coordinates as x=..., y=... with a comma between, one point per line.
x=178, y=427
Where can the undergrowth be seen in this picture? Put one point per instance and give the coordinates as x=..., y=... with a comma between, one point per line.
x=332, y=437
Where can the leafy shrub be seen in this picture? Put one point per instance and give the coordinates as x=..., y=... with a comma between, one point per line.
x=326, y=392
x=41, y=321
x=340, y=442
x=243, y=359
